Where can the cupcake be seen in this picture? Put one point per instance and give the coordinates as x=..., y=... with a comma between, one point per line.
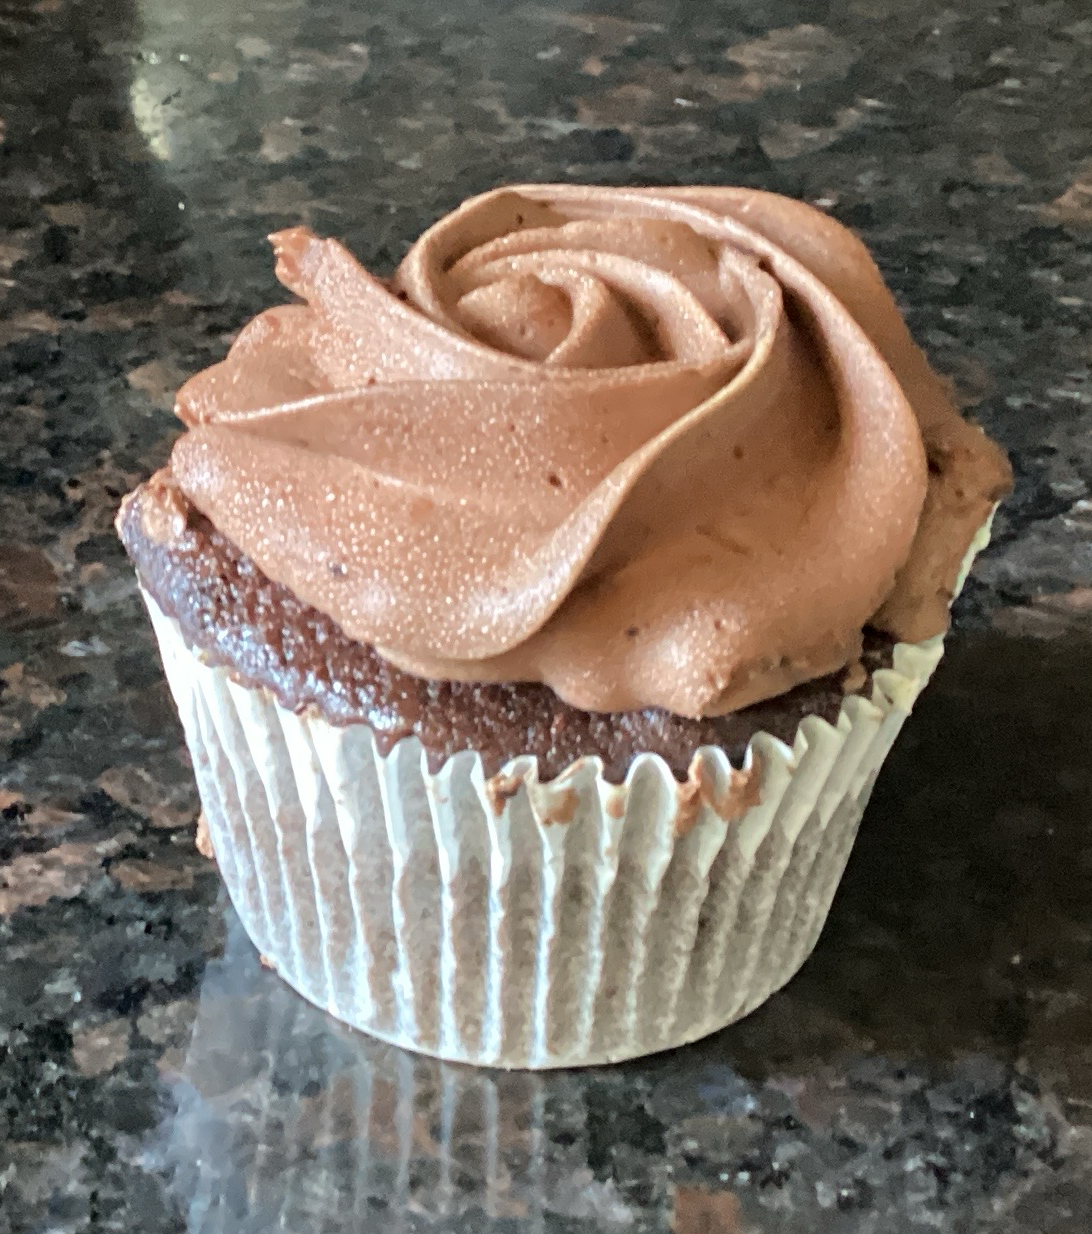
x=539, y=619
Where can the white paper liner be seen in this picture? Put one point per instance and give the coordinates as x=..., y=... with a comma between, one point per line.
x=462, y=917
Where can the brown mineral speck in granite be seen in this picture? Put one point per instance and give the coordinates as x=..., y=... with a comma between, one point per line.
x=144, y=877
x=32, y=879
x=168, y=1022
x=52, y=820
x=101, y=1047
x=134, y=788
x=236, y=617
x=28, y=583
x=19, y=685
x=705, y=1212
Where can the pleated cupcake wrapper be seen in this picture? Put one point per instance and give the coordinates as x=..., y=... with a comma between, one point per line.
x=451, y=914
x=518, y=923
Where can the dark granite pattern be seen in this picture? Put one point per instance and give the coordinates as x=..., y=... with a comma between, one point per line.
x=931, y=1068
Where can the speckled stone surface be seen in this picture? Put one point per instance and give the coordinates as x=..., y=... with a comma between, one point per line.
x=931, y=1068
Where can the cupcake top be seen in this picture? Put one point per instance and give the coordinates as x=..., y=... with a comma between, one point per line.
x=653, y=448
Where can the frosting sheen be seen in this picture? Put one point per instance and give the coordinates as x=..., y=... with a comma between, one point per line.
x=662, y=447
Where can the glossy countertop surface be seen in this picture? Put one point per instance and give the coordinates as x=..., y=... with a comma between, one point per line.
x=931, y=1067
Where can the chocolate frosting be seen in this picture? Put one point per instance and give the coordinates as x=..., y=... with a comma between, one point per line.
x=659, y=447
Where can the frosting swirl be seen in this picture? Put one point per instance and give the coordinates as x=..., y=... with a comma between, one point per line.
x=659, y=447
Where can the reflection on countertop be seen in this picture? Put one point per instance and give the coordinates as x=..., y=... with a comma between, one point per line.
x=930, y=1067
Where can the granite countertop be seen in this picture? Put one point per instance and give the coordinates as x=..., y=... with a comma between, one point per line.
x=931, y=1068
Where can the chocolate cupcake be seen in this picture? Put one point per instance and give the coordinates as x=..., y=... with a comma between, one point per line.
x=539, y=620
